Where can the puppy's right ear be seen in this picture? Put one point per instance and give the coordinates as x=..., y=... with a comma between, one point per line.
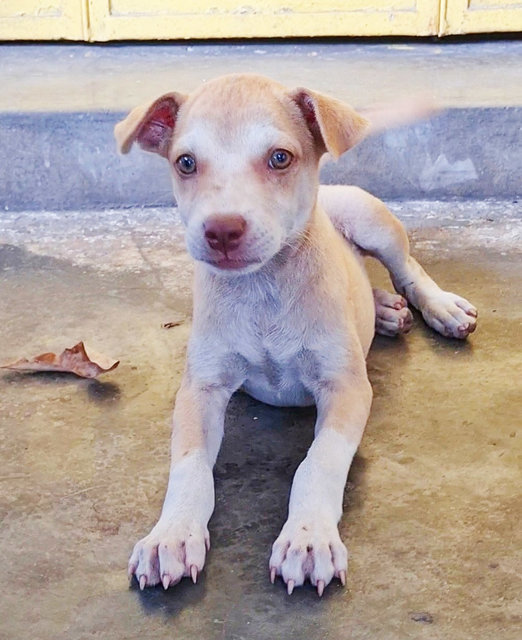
x=150, y=125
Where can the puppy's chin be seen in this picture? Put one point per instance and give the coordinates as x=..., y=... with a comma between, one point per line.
x=230, y=267
x=241, y=263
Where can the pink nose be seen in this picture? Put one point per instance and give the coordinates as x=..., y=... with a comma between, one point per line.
x=224, y=232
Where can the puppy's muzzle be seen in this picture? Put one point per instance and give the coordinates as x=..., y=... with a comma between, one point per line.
x=224, y=233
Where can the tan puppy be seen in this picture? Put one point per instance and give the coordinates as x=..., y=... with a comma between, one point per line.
x=282, y=305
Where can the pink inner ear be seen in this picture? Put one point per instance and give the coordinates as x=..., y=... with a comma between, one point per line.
x=156, y=131
x=307, y=106
x=152, y=135
x=163, y=115
x=308, y=110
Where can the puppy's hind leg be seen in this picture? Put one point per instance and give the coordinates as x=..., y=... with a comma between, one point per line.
x=392, y=316
x=365, y=221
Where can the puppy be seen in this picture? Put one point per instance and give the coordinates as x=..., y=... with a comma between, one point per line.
x=283, y=308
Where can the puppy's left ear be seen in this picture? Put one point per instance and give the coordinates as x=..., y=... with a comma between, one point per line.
x=334, y=125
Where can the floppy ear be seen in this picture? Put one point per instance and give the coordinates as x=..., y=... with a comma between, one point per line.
x=334, y=125
x=150, y=125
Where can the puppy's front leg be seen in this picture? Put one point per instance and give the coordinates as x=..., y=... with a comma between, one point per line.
x=176, y=546
x=309, y=545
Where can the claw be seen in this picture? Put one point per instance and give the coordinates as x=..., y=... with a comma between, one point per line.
x=320, y=587
x=142, y=581
x=342, y=577
x=290, y=586
x=207, y=543
x=272, y=574
x=194, y=573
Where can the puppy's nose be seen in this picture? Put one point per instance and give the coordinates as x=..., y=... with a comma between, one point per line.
x=224, y=232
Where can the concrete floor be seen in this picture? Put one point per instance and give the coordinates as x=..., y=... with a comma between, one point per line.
x=432, y=506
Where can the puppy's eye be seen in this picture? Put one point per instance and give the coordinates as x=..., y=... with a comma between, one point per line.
x=186, y=164
x=280, y=159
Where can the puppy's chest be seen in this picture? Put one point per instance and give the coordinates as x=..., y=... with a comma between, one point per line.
x=273, y=347
x=269, y=332
x=286, y=354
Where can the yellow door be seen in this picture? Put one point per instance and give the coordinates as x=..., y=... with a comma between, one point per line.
x=101, y=20
x=164, y=19
x=51, y=20
x=480, y=16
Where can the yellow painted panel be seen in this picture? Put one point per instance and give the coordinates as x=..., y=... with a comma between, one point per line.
x=170, y=19
x=36, y=20
x=174, y=7
x=480, y=16
x=100, y=20
x=474, y=5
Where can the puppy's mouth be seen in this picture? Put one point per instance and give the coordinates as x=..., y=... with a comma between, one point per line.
x=234, y=264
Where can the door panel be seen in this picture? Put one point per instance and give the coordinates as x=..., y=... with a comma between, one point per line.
x=51, y=20
x=164, y=19
x=480, y=16
x=101, y=20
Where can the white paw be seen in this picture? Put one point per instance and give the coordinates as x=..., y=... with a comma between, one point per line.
x=170, y=552
x=450, y=315
x=392, y=316
x=306, y=549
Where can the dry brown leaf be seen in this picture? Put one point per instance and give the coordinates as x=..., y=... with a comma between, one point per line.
x=74, y=360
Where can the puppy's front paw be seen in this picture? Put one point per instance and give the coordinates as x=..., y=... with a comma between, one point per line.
x=171, y=551
x=307, y=549
x=450, y=315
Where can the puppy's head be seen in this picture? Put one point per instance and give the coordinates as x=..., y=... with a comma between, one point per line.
x=244, y=155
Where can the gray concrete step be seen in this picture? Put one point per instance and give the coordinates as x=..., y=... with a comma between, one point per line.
x=68, y=160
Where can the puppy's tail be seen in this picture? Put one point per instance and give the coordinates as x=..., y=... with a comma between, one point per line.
x=398, y=113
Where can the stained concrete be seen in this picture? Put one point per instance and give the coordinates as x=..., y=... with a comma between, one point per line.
x=432, y=506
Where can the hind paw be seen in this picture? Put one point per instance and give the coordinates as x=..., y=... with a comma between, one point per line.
x=392, y=316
